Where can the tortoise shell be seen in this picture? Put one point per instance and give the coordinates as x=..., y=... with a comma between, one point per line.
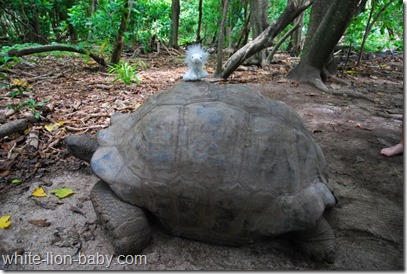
x=216, y=163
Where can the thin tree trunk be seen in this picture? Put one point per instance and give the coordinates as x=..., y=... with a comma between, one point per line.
x=279, y=43
x=296, y=36
x=175, y=11
x=369, y=26
x=221, y=39
x=259, y=22
x=119, y=44
x=244, y=33
x=198, y=31
x=92, y=12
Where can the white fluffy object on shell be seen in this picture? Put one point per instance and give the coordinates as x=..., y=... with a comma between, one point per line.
x=195, y=59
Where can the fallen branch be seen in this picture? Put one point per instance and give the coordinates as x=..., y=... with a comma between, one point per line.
x=13, y=127
x=33, y=140
x=46, y=48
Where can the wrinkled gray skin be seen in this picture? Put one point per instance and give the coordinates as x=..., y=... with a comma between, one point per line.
x=218, y=164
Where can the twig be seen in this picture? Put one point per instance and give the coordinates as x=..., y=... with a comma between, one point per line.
x=11, y=150
x=170, y=53
x=51, y=146
x=96, y=116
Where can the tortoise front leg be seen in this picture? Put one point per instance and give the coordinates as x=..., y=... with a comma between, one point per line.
x=318, y=242
x=81, y=146
x=125, y=224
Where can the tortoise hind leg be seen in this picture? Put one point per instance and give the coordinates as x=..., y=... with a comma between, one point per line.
x=318, y=242
x=125, y=224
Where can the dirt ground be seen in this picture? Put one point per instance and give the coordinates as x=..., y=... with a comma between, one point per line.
x=368, y=220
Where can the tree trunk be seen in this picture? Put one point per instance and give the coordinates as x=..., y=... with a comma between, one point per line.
x=370, y=25
x=264, y=39
x=175, y=11
x=221, y=39
x=61, y=12
x=92, y=12
x=244, y=33
x=333, y=18
x=279, y=43
x=296, y=36
x=259, y=22
x=119, y=44
x=198, y=31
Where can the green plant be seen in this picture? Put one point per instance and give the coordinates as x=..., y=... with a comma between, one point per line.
x=126, y=72
x=30, y=103
x=386, y=33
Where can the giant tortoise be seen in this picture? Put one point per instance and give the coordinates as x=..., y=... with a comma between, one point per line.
x=215, y=163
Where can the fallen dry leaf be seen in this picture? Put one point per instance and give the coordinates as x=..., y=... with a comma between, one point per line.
x=40, y=222
x=335, y=86
x=39, y=192
x=52, y=127
x=5, y=221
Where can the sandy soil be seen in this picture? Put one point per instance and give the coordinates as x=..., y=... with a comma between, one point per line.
x=368, y=220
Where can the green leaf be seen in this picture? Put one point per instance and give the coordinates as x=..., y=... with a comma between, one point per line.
x=62, y=192
x=37, y=115
x=16, y=181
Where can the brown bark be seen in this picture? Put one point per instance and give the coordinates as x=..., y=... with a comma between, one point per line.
x=198, y=31
x=175, y=11
x=119, y=44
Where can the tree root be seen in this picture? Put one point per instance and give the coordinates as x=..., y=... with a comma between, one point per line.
x=317, y=83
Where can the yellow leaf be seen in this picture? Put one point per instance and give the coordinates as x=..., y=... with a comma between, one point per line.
x=103, y=46
x=52, y=127
x=39, y=192
x=5, y=221
x=21, y=83
x=62, y=192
